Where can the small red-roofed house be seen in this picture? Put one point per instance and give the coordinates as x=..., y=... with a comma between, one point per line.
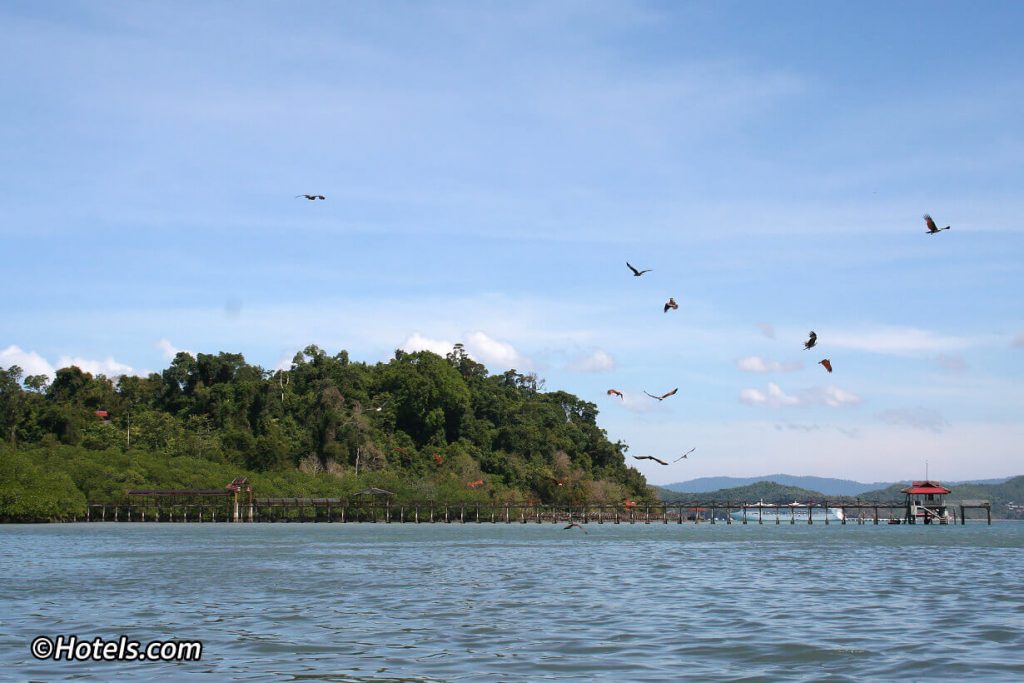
x=926, y=502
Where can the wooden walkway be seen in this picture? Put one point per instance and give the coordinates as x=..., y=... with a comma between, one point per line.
x=338, y=510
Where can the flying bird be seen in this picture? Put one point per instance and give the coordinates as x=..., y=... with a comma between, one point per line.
x=671, y=303
x=812, y=339
x=438, y=459
x=663, y=396
x=574, y=524
x=637, y=273
x=474, y=484
x=649, y=457
x=683, y=456
x=932, y=229
x=311, y=197
x=615, y=392
x=827, y=364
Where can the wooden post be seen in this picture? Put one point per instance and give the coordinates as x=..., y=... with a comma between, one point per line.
x=760, y=508
x=417, y=514
x=744, y=513
x=680, y=514
x=713, y=514
x=728, y=513
x=826, y=513
x=506, y=515
x=988, y=513
x=963, y=517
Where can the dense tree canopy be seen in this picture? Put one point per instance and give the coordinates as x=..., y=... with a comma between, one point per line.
x=421, y=423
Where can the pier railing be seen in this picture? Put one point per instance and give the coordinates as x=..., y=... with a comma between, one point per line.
x=341, y=510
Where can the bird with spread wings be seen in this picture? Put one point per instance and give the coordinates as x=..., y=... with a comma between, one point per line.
x=615, y=392
x=683, y=456
x=827, y=364
x=637, y=273
x=650, y=457
x=311, y=197
x=663, y=396
x=812, y=339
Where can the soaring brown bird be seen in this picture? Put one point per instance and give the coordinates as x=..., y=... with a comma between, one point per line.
x=574, y=524
x=671, y=303
x=827, y=363
x=663, y=396
x=932, y=229
x=649, y=457
x=812, y=339
x=615, y=392
x=311, y=197
x=438, y=459
x=683, y=456
x=637, y=273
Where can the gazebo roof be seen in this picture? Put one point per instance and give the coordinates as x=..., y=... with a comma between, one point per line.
x=926, y=487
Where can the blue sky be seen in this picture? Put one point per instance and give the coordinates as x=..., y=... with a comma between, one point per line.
x=490, y=167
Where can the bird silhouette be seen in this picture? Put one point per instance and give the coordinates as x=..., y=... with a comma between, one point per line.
x=637, y=273
x=671, y=303
x=615, y=392
x=812, y=339
x=932, y=228
x=574, y=524
x=827, y=364
x=650, y=457
x=683, y=456
x=663, y=396
x=311, y=197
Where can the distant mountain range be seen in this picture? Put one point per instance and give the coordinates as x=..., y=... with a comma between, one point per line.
x=825, y=485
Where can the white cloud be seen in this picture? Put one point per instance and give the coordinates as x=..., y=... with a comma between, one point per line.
x=758, y=364
x=835, y=397
x=417, y=342
x=774, y=397
x=169, y=350
x=598, y=361
x=107, y=366
x=493, y=352
x=915, y=418
x=30, y=362
x=895, y=340
x=767, y=329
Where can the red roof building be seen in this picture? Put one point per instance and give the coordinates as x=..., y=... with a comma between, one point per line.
x=926, y=503
x=926, y=487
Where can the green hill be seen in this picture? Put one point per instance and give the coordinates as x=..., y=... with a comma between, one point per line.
x=424, y=426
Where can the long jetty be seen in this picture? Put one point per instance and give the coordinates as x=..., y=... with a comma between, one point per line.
x=216, y=506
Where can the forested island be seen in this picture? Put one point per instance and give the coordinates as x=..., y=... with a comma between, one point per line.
x=423, y=426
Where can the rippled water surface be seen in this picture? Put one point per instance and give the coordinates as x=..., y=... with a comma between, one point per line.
x=522, y=602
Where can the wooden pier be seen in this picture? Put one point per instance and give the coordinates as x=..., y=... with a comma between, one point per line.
x=233, y=506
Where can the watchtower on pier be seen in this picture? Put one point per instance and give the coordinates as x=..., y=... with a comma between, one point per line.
x=926, y=503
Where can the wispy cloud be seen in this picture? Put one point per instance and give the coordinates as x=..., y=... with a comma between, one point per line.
x=895, y=340
x=952, y=362
x=169, y=350
x=917, y=418
x=598, y=361
x=760, y=365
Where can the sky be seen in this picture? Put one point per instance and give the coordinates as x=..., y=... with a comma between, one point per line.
x=489, y=168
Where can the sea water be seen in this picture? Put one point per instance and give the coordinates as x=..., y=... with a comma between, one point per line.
x=521, y=602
